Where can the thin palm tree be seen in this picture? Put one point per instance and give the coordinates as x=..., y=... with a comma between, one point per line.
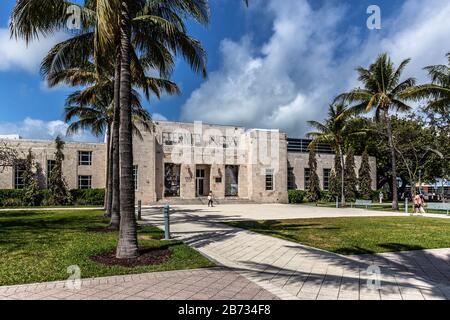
x=333, y=131
x=383, y=92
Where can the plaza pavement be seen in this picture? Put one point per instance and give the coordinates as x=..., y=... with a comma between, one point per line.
x=200, y=284
x=293, y=271
x=260, y=267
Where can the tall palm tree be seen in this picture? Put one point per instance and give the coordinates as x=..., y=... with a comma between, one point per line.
x=383, y=92
x=333, y=131
x=437, y=92
x=155, y=28
x=94, y=108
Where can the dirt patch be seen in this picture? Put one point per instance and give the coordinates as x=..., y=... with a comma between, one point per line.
x=147, y=257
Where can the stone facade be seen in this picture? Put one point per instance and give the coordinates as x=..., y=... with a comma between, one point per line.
x=72, y=169
x=188, y=160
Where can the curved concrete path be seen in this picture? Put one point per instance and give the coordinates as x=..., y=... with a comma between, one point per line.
x=294, y=271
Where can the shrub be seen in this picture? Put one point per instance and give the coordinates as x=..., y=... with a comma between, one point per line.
x=296, y=196
x=92, y=197
x=11, y=198
x=327, y=196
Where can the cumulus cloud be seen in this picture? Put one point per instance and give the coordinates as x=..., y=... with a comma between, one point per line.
x=308, y=60
x=38, y=129
x=15, y=54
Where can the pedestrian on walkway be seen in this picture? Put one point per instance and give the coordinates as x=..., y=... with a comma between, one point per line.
x=419, y=202
x=381, y=196
x=210, y=199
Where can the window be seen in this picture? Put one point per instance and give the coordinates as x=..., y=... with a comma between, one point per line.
x=269, y=179
x=84, y=182
x=326, y=179
x=50, y=166
x=291, y=179
x=172, y=174
x=307, y=178
x=135, y=177
x=84, y=158
x=19, y=171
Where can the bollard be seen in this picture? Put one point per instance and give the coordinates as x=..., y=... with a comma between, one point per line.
x=139, y=217
x=167, y=222
x=406, y=205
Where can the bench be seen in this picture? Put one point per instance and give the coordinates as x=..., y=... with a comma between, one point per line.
x=439, y=206
x=360, y=202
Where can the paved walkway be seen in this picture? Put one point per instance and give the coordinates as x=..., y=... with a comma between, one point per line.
x=204, y=284
x=293, y=271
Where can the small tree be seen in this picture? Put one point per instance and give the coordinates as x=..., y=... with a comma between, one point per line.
x=335, y=177
x=313, y=186
x=351, y=181
x=57, y=185
x=365, y=179
x=31, y=192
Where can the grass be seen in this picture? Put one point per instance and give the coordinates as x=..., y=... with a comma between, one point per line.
x=358, y=235
x=38, y=246
x=386, y=206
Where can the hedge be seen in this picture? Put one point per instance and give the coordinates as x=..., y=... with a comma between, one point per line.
x=296, y=196
x=90, y=197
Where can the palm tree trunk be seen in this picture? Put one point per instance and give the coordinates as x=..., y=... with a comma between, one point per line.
x=115, y=212
x=108, y=172
x=341, y=155
x=128, y=244
x=393, y=163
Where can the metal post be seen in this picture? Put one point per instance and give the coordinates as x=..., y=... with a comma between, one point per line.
x=337, y=202
x=167, y=222
x=139, y=216
x=406, y=204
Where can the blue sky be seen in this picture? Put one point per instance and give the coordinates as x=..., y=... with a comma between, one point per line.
x=275, y=64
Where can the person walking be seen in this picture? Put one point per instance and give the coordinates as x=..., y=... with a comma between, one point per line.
x=381, y=196
x=210, y=199
x=419, y=202
x=422, y=204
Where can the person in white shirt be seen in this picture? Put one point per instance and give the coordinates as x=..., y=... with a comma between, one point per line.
x=210, y=199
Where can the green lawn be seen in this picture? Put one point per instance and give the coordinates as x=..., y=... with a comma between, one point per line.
x=38, y=246
x=386, y=206
x=358, y=235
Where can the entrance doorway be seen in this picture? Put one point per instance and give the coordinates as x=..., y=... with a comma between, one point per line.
x=202, y=181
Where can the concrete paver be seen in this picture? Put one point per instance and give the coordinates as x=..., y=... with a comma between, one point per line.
x=293, y=271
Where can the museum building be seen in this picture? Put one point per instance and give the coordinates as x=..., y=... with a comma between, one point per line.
x=183, y=162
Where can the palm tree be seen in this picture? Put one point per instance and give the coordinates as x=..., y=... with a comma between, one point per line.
x=383, y=92
x=94, y=108
x=437, y=92
x=154, y=28
x=333, y=131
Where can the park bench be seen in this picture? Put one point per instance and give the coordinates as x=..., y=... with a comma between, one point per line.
x=360, y=202
x=439, y=206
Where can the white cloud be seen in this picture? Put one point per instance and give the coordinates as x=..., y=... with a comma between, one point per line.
x=15, y=54
x=38, y=129
x=307, y=61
